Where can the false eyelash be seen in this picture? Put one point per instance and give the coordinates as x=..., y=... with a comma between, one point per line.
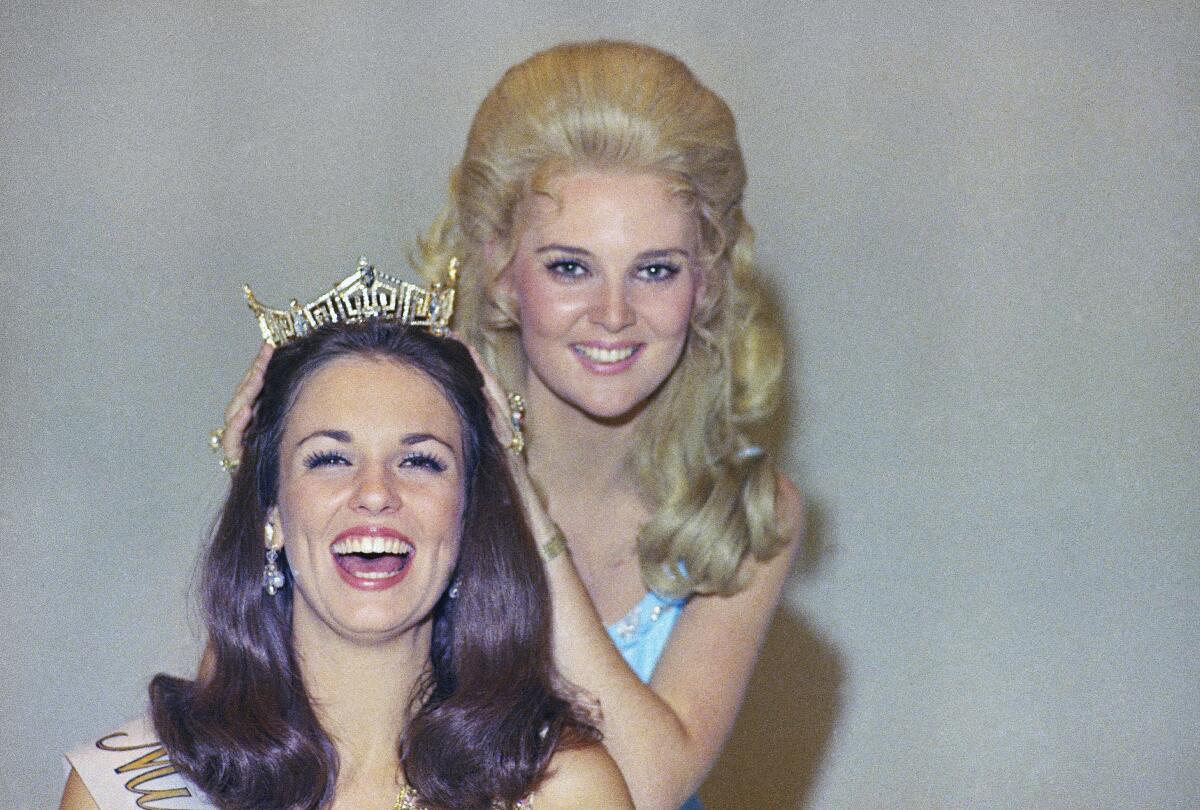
x=426, y=460
x=558, y=268
x=322, y=458
x=671, y=268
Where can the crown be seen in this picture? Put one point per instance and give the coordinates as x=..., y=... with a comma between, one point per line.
x=362, y=295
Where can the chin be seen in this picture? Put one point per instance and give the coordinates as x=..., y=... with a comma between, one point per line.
x=374, y=624
x=611, y=409
x=372, y=633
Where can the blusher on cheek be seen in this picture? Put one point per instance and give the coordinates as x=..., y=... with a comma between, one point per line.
x=668, y=315
x=546, y=307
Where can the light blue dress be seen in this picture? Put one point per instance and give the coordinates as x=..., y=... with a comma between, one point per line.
x=642, y=635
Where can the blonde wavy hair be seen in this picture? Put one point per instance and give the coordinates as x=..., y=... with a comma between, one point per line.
x=626, y=107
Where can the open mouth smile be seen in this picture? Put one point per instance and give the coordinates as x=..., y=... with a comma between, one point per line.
x=372, y=561
x=605, y=358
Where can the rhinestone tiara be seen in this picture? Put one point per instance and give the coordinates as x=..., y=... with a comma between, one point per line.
x=364, y=294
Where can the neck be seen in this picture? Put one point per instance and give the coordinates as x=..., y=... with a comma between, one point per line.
x=568, y=445
x=362, y=693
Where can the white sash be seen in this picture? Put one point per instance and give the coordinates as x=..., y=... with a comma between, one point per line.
x=129, y=769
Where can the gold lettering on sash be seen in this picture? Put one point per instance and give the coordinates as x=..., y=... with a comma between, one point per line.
x=155, y=763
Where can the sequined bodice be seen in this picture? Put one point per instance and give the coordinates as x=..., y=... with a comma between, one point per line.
x=642, y=634
x=409, y=800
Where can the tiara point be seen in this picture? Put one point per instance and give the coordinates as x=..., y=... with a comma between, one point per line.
x=361, y=296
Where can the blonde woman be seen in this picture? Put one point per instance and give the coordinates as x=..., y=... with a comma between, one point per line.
x=607, y=278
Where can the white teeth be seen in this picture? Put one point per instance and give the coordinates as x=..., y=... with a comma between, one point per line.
x=605, y=355
x=371, y=545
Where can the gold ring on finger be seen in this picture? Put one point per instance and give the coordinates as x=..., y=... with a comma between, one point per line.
x=214, y=443
x=516, y=420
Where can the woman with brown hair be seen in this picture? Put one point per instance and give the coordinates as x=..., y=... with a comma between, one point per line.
x=378, y=615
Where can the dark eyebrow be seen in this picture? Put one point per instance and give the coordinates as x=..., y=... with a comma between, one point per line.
x=649, y=255
x=417, y=438
x=337, y=435
x=554, y=247
x=344, y=437
x=664, y=253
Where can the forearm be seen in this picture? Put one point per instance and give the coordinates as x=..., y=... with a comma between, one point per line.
x=661, y=762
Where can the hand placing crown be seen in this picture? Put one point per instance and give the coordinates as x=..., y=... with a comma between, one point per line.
x=364, y=294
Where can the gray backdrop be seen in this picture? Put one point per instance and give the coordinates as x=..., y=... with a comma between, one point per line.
x=981, y=223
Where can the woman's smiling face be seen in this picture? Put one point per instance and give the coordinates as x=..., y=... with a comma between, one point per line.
x=604, y=276
x=371, y=485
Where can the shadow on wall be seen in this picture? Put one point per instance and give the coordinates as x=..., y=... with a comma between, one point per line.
x=781, y=739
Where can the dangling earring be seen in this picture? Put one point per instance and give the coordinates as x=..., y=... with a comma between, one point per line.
x=453, y=592
x=272, y=578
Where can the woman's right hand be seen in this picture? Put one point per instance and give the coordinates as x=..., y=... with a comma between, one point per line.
x=241, y=407
x=544, y=530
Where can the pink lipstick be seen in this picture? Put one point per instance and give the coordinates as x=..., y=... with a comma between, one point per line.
x=607, y=358
x=372, y=557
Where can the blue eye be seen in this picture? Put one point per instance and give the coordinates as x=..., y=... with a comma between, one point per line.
x=325, y=458
x=566, y=268
x=424, y=461
x=661, y=271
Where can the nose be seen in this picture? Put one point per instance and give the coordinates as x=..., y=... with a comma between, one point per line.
x=612, y=308
x=375, y=490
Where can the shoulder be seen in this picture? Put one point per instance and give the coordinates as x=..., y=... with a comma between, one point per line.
x=766, y=576
x=582, y=778
x=789, y=510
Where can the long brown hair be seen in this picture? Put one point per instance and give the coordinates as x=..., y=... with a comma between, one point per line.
x=492, y=712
